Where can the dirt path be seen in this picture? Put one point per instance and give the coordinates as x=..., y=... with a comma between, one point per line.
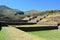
x=11, y=33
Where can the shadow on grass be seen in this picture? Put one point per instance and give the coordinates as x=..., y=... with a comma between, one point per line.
x=30, y=29
x=0, y=28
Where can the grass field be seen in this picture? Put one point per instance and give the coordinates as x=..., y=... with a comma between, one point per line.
x=48, y=34
x=11, y=33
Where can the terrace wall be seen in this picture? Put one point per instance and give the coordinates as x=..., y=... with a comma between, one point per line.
x=28, y=29
x=8, y=20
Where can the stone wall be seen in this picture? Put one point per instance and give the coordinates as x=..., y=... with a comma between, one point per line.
x=28, y=29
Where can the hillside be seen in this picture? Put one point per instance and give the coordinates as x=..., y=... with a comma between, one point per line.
x=32, y=12
x=15, y=14
x=6, y=12
x=52, y=18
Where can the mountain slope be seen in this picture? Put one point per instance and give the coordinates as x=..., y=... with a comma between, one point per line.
x=32, y=12
x=9, y=12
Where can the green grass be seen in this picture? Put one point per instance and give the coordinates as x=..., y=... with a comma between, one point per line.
x=2, y=33
x=48, y=34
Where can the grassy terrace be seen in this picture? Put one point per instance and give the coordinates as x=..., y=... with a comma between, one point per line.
x=11, y=33
x=48, y=34
x=6, y=32
x=35, y=25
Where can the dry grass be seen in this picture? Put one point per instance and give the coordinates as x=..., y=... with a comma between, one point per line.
x=51, y=19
